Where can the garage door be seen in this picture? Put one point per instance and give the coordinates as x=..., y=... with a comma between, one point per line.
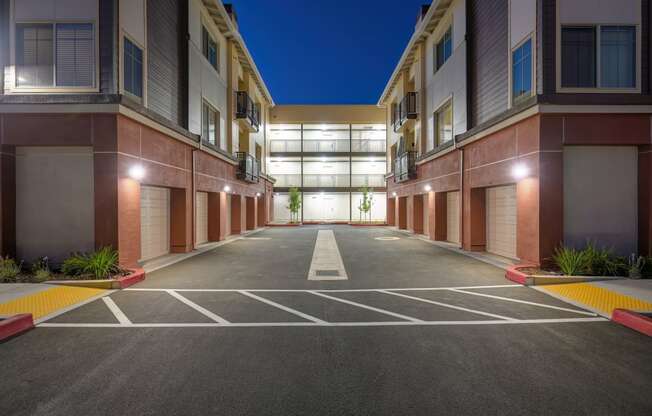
x=201, y=220
x=154, y=222
x=501, y=220
x=453, y=217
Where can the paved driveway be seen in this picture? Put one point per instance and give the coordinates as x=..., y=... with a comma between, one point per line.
x=415, y=330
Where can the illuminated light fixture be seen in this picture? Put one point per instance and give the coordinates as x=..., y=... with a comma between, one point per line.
x=137, y=172
x=257, y=194
x=520, y=171
x=427, y=188
x=227, y=188
x=321, y=194
x=394, y=194
x=323, y=160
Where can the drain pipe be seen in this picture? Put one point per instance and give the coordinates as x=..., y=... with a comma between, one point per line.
x=193, y=187
x=461, y=207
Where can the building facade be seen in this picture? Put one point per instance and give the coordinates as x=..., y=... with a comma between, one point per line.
x=330, y=153
x=516, y=126
x=137, y=124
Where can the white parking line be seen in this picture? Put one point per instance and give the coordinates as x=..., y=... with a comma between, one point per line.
x=283, y=307
x=398, y=289
x=328, y=324
x=524, y=302
x=446, y=305
x=117, y=312
x=198, y=308
x=371, y=308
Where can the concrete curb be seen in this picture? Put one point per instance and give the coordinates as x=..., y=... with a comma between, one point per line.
x=633, y=320
x=354, y=224
x=296, y=224
x=514, y=274
x=15, y=325
x=137, y=275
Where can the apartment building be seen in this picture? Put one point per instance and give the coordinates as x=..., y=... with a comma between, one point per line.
x=330, y=153
x=519, y=125
x=138, y=124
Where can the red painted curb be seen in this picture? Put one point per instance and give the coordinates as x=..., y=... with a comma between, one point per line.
x=353, y=224
x=15, y=325
x=137, y=275
x=284, y=225
x=512, y=273
x=633, y=320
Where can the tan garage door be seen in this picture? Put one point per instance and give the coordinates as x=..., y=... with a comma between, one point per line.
x=501, y=220
x=453, y=217
x=154, y=222
x=201, y=220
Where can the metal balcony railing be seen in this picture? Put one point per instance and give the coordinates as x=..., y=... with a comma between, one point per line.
x=371, y=180
x=368, y=146
x=407, y=109
x=285, y=146
x=326, y=146
x=326, y=181
x=248, y=167
x=405, y=167
x=287, y=180
x=245, y=108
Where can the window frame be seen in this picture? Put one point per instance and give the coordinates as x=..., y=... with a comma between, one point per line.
x=598, y=55
x=206, y=38
x=205, y=139
x=123, y=88
x=436, y=137
x=13, y=57
x=436, y=65
x=512, y=99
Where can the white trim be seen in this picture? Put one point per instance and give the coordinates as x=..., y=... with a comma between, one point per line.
x=117, y=312
x=446, y=305
x=198, y=308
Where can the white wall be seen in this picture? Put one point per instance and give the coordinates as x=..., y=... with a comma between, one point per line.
x=601, y=196
x=204, y=81
x=281, y=211
x=55, y=9
x=325, y=168
x=368, y=168
x=450, y=80
x=55, y=207
x=378, y=206
x=285, y=168
x=327, y=207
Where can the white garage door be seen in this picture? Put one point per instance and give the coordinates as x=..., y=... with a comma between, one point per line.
x=453, y=217
x=154, y=222
x=501, y=220
x=201, y=220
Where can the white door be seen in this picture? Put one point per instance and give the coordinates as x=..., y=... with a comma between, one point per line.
x=501, y=220
x=154, y=222
x=201, y=220
x=328, y=208
x=453, y=217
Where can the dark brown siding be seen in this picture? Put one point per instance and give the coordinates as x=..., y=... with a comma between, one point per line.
x=167, y=22
x=4, y=41
x=108, y=46
x=488, y=59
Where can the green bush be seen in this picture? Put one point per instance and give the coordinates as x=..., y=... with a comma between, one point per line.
x=570, y=261
x=41, y=270
x=9, y=270
x=100, y=264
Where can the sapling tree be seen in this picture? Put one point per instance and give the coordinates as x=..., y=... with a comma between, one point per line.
x=294, y=205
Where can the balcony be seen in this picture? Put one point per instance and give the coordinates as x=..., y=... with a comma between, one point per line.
x=326, y=146
x=370, y=180
x=405, y=167
x=326, y=181
x=287, y=180
x=368, y=146
x=285, y=146
x=407, y=109
x=248, y=169
x=247, y=111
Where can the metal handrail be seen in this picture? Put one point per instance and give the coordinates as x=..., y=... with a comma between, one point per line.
x=405, y=166
x=407, y=109
x=246, y=108
x=248, y=167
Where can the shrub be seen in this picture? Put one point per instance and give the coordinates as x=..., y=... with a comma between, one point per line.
x=9, y=270
x=570, y=261
x=602, y=262
x=100, y=264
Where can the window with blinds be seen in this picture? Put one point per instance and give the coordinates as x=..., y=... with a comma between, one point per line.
x=59, y=54
x=133, y=69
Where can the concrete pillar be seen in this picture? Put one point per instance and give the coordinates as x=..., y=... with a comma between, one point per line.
x=224, y=212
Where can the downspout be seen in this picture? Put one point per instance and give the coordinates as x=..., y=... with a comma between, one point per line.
x=461, y=208
x=193, y=187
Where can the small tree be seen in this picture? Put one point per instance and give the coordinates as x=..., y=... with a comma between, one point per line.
x=366, y=203
x=294, y=204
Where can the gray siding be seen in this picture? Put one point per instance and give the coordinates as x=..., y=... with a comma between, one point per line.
x=108, y=46
x=167, y=22
x=487, y=26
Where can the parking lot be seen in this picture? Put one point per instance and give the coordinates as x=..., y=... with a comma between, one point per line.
x=415, y=329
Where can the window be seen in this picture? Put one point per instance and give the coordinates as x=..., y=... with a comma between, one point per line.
x=133, y=69
x=44, y=59
x=210, y=125
x=618, y=57
x=210, y=49
x=443, y=124
x=614, y=47
x=34, y=56
x=522, y=71
x=443, y=50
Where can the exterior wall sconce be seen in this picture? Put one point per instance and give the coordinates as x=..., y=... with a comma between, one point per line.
x=137, y=172
x=520, y=171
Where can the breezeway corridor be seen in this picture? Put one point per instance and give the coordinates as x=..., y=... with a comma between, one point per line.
x=326, y=320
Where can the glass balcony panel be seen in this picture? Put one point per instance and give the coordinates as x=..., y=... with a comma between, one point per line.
x=370, y=180
x=285, y=146
x=326, y=181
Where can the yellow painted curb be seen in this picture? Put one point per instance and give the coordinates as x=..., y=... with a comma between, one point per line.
x=598, y=298
x=48, y=301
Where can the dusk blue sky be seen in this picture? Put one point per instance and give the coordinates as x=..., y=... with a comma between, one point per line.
x=326, y=51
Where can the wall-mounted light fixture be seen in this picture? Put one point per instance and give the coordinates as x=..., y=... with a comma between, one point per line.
x=227, y=189
x=520, y=171
x=394, y=194
x=137, y=172
x=257, y=194
x=427, y=188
